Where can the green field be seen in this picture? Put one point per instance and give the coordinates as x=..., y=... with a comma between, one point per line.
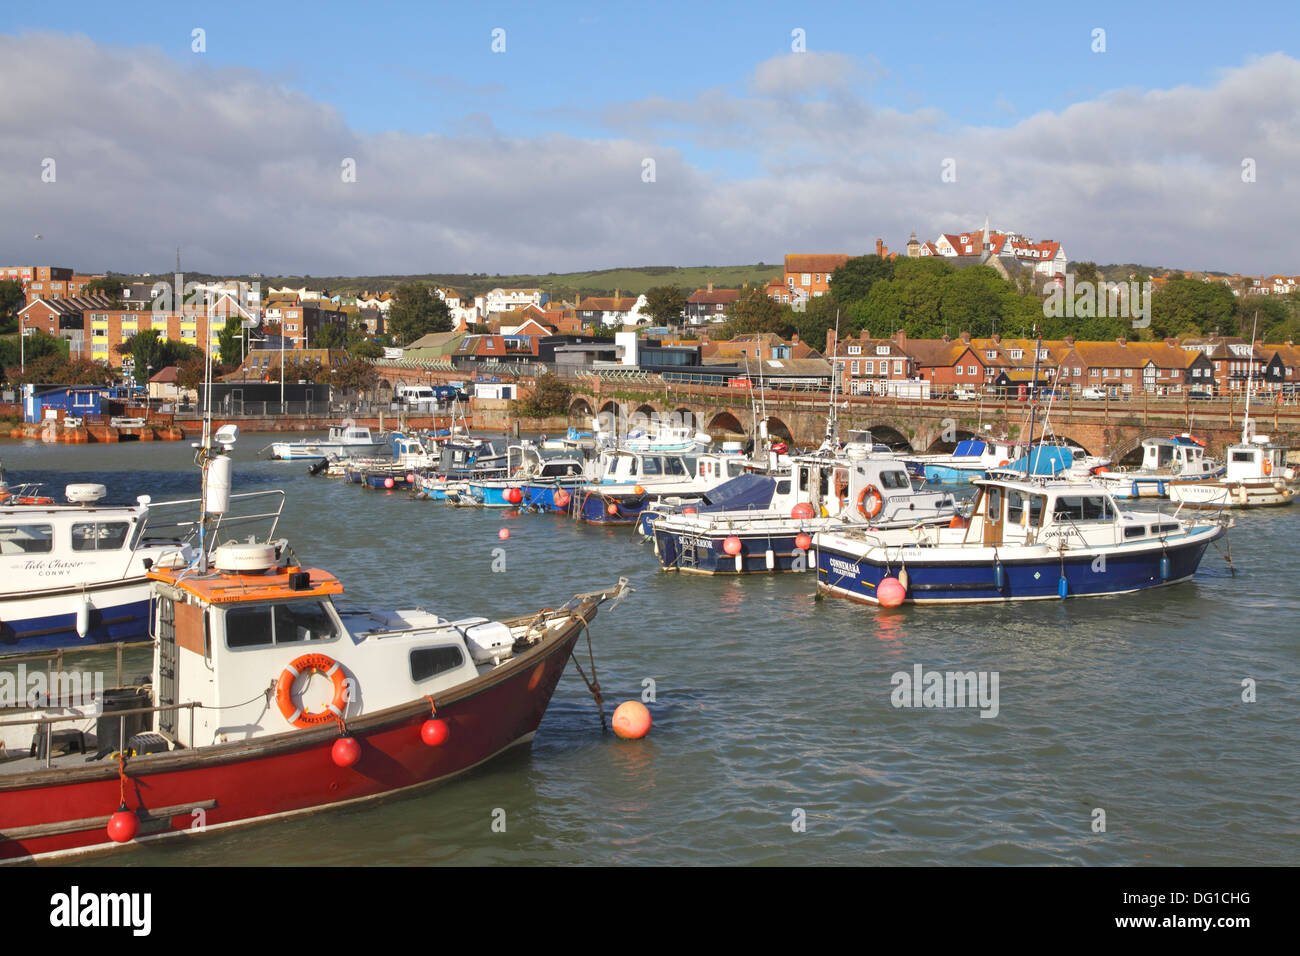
x=557, y=285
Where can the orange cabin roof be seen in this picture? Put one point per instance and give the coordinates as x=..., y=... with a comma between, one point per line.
x=218, y=587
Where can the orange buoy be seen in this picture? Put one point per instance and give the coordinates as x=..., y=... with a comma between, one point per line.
x=688, y=511
x=346, y=751
x=123, y=825
x=956, y=521
x=803, y=541
x=632, y=720
x=561, y=498
x=388, y=483
x=503, y=533
x=639, y=490
x=434, y=732
x=731, y=544
x=410, y=477
x=802, y=511
x=611, y=509
x=890, y=592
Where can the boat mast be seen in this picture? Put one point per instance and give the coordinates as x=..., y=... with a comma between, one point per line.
x=1033, y=404
x=1250, y=379
x=832, y=417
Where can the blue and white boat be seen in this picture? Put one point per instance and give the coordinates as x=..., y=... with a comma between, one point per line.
x=1026, y=540
x=461, y=459
x=537, y=480
x=818, y=492
x=971, y=459
x=73, y=575
x=1180, y=458
x=623, y=481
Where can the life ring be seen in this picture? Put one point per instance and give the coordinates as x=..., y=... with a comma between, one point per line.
x=1268, y=466
x=877, y=501
x=284, y=690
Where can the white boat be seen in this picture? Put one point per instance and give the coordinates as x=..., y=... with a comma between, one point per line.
x=1255, y=477
x=343, y=441
x=73, y=575
x=1180, y=458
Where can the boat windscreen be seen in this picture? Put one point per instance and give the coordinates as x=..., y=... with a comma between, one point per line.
x=744, y=491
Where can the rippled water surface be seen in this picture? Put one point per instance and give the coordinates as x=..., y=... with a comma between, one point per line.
x=771, y=702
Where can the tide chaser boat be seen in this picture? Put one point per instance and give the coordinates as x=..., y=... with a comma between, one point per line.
x=343, y=441
x=1025, y=540
x=267, y=701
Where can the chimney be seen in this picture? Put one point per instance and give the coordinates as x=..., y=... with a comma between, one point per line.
x=710, y=286
x=997, y=339
x=1122, y=342
x=794, y=338
x=901, y=338
x=965, y=337
x=1172, y=343
x=946, y=340
x=830, y=342
x=1069, y=340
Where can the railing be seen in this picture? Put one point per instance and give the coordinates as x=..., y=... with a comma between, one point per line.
x=49, y=722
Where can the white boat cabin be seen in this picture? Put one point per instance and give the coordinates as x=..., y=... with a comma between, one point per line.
x=1058, y=514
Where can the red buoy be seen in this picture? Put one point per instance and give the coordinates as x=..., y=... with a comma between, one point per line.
x=561, y=498
x=410, y=477
x=803, y=541
x=123, y=825
x=731, y=544
x=514, y=495
x=632, y=720
x=346, y=751
x=611, y=509
x=801, y=511
x=688, y=511
x=503, y=533
x=388, y=482
x=890, y=592
x=434, y=732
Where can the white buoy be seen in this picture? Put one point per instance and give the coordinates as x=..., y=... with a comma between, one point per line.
x=812, y=560
x=83, y=618
x=771, y=560
x=739, y=564
x=218, y=497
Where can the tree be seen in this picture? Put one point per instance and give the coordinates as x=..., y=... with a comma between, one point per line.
x=1085, y=272
x=355, y=376
x=105, y=285
x=1190, y=307
x=11, y=301
x=38, y=345
x=754, y=312
x=149, y=354
x=229, y=340
x=191, y=373
x=417, y=310
x=817, y=319
x=550, y=396
x=852, y=281
x=366, y=349
x=665, y=304
x=57, y=369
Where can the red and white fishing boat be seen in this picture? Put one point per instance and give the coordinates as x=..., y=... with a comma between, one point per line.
x=267, y=701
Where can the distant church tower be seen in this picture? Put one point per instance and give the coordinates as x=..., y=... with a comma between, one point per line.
x=988, y=242
x=913, y=247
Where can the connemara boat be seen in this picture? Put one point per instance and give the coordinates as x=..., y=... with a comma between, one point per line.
x=1025, y=540
x=359, y=706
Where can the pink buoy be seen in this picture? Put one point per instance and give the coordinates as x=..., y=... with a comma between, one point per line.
x=801, y=511
x=731, y=544
x=346, y=751
x=123, y=825
x=410, y=477
x=388, y=482
x=890, y=592
x=561, y=498
x=631, y=720
x=434, y=732
x=611, y=509
x=803, y=541
x=503, y=533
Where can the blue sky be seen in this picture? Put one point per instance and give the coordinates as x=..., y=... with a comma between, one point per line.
x=711, y=92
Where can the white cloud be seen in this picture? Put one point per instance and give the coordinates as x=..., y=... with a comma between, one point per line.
x=244, y=174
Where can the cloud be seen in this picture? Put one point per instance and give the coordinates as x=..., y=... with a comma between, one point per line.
x=245, y=174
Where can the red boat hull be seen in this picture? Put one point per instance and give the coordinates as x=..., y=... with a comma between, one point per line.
x=290, y=773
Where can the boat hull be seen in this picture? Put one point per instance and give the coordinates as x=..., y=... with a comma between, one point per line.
x=187, y=792
x=938, y=579
x=33, y=623
x=1209, y=494
x=759, y=554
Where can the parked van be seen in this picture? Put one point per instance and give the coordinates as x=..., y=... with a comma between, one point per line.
x=1093, y=394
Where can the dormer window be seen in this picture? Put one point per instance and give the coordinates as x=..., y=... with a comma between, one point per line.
x=1016, y=354
x=882, y=349
x=855, y=349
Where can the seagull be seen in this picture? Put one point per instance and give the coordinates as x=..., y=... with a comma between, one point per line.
x=38, y=236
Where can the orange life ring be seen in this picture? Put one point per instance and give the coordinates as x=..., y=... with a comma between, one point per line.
x=1268, y=466
x=284, y=690
x=877, y=501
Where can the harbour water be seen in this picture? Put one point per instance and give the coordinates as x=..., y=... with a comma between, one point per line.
x=776, y=738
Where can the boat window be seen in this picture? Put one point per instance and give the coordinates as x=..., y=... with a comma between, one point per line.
x=261, y=625
x=895, y=479
x=783, y=487
x=735, y=468
x=1165, y=454
x=652, y=466
x=1037, y=504
x=1243, y=456
x=1015, y=506
x=675, y=466
x=1082, y=508
x=993, y=504
x=1134, y=531
x=26, y=538
x=98, y=535
x=429, y=662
